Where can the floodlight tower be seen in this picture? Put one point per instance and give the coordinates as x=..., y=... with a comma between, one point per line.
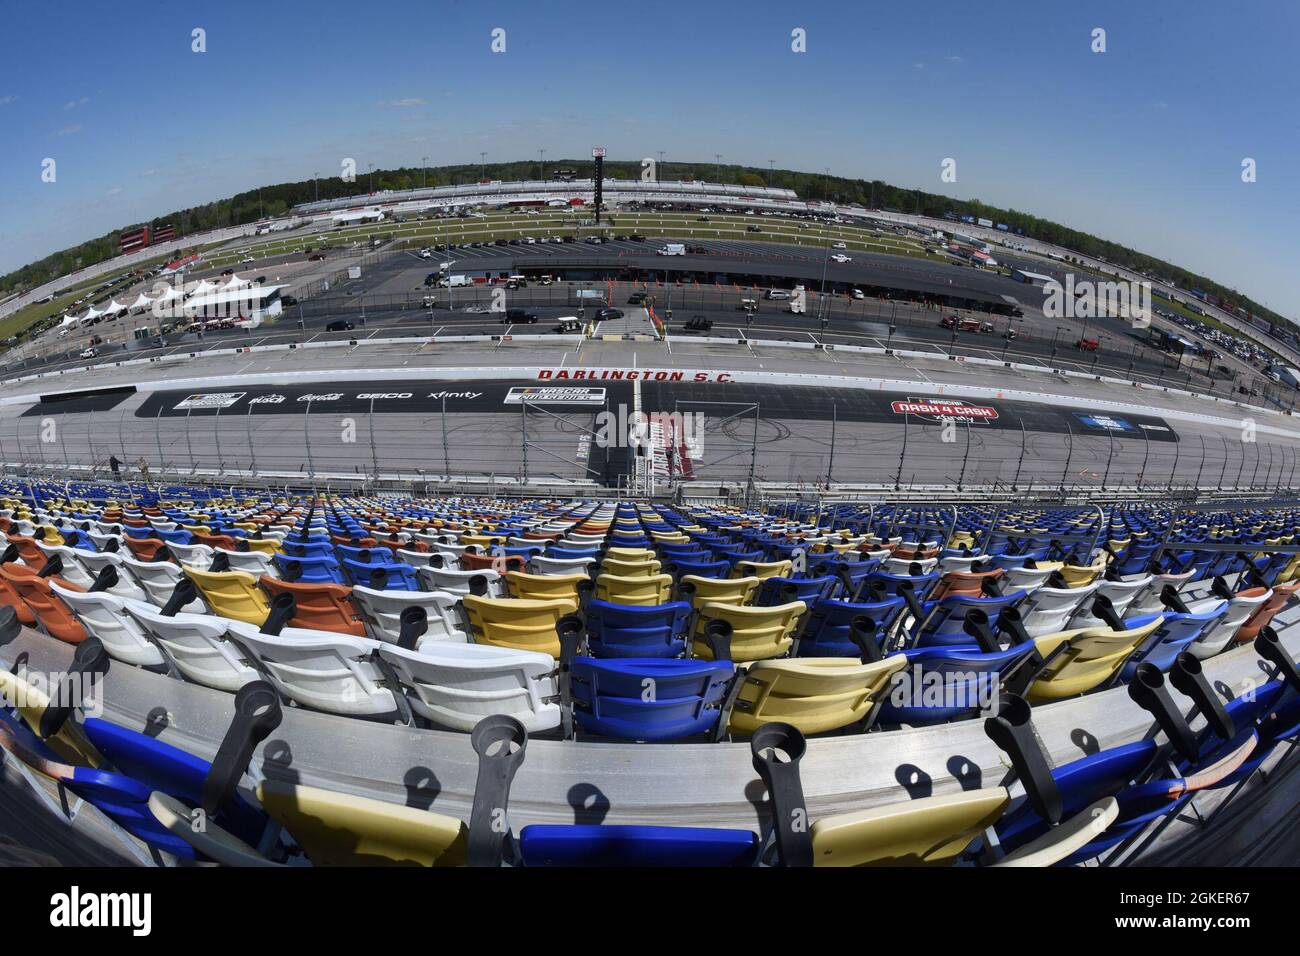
x=598, y=153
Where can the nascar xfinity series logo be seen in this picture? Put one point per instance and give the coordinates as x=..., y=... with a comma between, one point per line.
x=946, y=410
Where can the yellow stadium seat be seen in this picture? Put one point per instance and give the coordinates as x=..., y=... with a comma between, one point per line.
x=1084, y=659
x=761, y=569
x=757, y=633
x=544, y=587
x=232, y=594
x=630, y=554
x=739, y=591
x=814, y=694
x=644, y=590
x=629, y=569
x=519, y=623
x=932, y=831
x=338, y=829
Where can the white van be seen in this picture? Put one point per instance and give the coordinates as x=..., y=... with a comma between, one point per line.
x=455, y=282
x=776, y=294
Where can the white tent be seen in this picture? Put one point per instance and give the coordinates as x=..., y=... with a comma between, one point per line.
x=202, y=287
x=115, y=306
x=142, y=301
x=171, y=292
x=69, y=320
x=93, y=313
x=236, y=283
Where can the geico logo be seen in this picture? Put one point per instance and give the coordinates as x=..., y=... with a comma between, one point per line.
x=369, y=395
x=331, y=397
x=454, y=394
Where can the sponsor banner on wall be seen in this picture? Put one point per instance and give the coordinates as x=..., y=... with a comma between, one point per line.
x=543, y=395
x=210, y=400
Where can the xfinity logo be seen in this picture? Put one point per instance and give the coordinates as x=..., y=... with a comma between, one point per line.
x=441, y=395
x=74, y=909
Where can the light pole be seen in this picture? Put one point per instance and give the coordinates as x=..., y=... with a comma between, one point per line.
x=372, y=178
x=541, y=165
x=770, y=167
x=717, y=168
x=659, y=171
x=315, y=181
x=482, y=168
x=425, y=181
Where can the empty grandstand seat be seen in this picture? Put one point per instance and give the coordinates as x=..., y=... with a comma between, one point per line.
x=1220, y=632
x=512, y=622
x=323, y=670
x=1047, y=610
x=539, y=564
x=457, y=685
x=381, y=612
x=758, y=633
x=158, y=580
x=702, y=591
x=815, y=694
x=256, y=563
x=309, y=570
x=455, y=581
x=544, y=587
x=1082, y=660
x=231, y=594
x=648, y=698
x=197, y=646
x=617, y=630
x=646, y=590
x=105, y=616
x=826, y=632
x=322, y=607
x=52, y=615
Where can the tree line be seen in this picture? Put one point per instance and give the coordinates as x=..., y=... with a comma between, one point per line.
x=276, y=200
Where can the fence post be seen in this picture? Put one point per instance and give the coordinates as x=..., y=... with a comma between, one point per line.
x=374, y=455
x=189, y=442
x=1068, y=454
x=898, y=478
x=306, y=435
x=1023, y=439
x=216, y=438
x=1224, y=470
x=830, y=465
x=252, y=455
x=157, y=434
x=446, y=456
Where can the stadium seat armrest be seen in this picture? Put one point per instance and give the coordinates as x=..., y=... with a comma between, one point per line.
x=1012, y=731
x=1147, y=689
x=1188, y=678
x=500, y=742
x=257, y=713
x=1270, y=647
x=790, y=822
x=89, y=661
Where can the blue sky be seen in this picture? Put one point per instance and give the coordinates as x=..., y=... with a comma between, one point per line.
x=1141, y=144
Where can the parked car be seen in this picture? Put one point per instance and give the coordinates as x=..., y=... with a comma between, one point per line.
x=88, y=353
x=339, y=325
x=636, y=298
x=698, y=323
x=288, y=300
x=609, y=315
x=1087, y=345
x=519, y=316
x=316, y=257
